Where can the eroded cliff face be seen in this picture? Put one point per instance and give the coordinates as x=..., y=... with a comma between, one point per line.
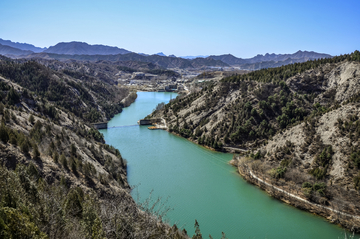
x=332, y=82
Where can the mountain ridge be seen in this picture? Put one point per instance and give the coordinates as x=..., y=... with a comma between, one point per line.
x=84, y=51
x=22, y=46
x=8, y=50
x=163, y=61
x=83, y=48
x=300, y=56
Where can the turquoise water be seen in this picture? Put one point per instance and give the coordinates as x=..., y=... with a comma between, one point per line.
x=199, y=184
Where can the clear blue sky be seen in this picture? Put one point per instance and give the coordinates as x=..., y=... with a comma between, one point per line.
x=197, y=27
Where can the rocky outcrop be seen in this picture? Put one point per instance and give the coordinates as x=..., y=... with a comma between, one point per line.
x=337, y=82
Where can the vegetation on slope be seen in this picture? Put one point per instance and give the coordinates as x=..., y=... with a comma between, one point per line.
x=88, y=98
x=298, y=122
x=250, y=108
x=57, y=177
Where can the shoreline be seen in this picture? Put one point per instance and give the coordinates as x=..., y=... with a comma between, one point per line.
x=342, y=219
x=290, y=197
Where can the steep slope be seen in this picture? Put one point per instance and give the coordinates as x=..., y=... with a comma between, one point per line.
x=296, y=126
x=247, y=109
x=90, y=98
x=82, y=48
x=57, y=177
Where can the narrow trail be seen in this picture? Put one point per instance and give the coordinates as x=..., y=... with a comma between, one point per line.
x=301, y=199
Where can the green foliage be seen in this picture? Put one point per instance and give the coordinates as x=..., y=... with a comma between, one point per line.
x=74, y=166
x=73, y=150
x=307, y=192
x=256, y=156
x=92, y=116
x=285, y=162
x=25, y=146
x=308, y=188
x=36, y=153
x=126, y=69
x=16, y=224
x=95, y=134
x=88, y=170
x=168, y=73
x=278, y=172
x=6, y=116
x=50, y=111
x=64, y=161
x=197, y=234
x=245, y=120
x=357, y=182
x=12, y=97
x=322, y=162
x=318, y=172
x=74, y=201
x=12, y=138
x=36, y=133
x=306, y=185
x=31, y=119
x=324, y=158
x=355, y=157
x=68, y=94
x=4, y=135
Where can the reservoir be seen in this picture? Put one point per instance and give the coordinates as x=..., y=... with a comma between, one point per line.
x=197, y=183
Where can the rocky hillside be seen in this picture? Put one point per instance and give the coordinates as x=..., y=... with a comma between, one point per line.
x=90, y=98
x=57, y=177
x=245, y=110
x=106, y=71
x=298, y=124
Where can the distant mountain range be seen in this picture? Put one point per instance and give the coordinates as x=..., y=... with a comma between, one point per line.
x=21, y=46
x=82, y=48
x=8, y=50
x=163, y=61
x=84, y=52
x=160, y=54
x=193, y=57
x=299, y=56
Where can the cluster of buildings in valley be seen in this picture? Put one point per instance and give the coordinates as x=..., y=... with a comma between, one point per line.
x=182, y=83
x=151, y=82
